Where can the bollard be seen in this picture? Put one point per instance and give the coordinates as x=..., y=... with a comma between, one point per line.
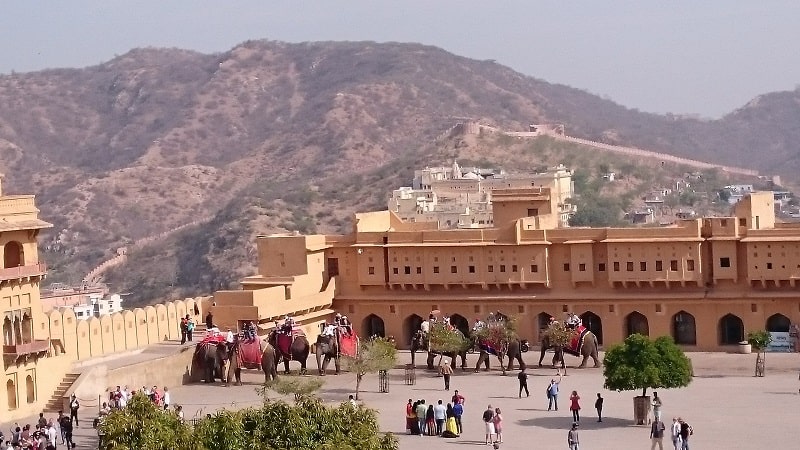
x=411, y=375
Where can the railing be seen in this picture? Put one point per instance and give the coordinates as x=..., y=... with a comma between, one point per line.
x=26, y=349
x=31, y=270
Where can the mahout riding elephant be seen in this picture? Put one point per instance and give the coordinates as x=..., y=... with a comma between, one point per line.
x=419, y=342
x=269, y=362
x=327, y=348
x=210, y=359
x=513, y=350
x=298, y=351
x=588, y=348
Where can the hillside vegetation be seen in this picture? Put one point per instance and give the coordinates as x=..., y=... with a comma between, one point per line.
x=272, y=136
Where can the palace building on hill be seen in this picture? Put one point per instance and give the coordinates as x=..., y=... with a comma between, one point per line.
x=704, y=281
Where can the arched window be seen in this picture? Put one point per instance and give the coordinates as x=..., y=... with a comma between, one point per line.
x=410, y=326
x=13, y=255
x=27, y=328
x=373, y=326
x=777, y=323
x=11, y=394
x=636, y=323
x=592, y=321
x=460, y=323
x=683, y=329
x=542, y=320
x=731, y=330
x=30, y=389
x=8, y=331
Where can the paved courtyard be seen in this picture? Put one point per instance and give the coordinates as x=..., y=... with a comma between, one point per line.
x=726, y=405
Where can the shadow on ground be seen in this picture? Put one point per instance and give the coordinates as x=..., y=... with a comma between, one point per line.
x=563, y=422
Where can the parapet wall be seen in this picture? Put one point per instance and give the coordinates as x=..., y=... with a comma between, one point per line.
x=123, y=331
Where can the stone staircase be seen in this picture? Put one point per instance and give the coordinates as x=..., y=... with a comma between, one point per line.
x=56, y=402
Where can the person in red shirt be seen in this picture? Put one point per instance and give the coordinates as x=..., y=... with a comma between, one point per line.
x=457, y=398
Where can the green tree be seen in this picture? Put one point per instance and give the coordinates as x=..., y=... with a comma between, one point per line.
x=300, y=387
x=442, y=339
x=759, y=341
x=373, y=355
x=143, y=425
x=639, y=363
x=308, y=425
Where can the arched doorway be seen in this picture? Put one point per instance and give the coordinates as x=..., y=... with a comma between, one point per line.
x=30, y=389
x=373, y=325
x=410, y=326
x=592, y=321
x=27, y=327
x=11, y=394
x=778, y=323
x=460, y=323
x=731, y=330
x=13, y=255
x=683, y=329
x=636, y=323
x=542, y=322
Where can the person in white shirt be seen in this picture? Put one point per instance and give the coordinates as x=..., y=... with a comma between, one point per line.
x=440, y=415
x=330, y=330
x=676, y=433
x=167, y=399
x=52, y=434
x=425, y=327
x=229, y=337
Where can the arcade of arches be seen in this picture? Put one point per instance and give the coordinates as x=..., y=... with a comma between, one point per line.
x=685, y=328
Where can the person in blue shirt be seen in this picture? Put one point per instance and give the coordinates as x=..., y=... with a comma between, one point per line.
x=552, y=393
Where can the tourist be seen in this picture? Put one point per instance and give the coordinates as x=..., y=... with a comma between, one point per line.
x=410, y=416
x=523, y=382
x=686, y=431
x=656, y=407
x=190, y=330
x=497, y=420
x=42, y=422
x=421, y=410
x=179, y=412
x=657, y=434
x=105, y=410
x=598, y=405
x=451, y=428
x=457, y=398
x=446, y=371
x=552, y=393
x=166, y=398
x=52, y=435
x=458, y=411
x=676, y=434
x=572, y=437
x=430, y=421
x=440, y=415
x=66, y=429
x=575, y=406
x=488, y=420
x=352, y=401
x=209, y=321
x=16, y=435
x=74, y=405
x=183, y=325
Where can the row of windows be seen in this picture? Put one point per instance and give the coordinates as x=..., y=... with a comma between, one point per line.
x=534, y=268
x=454, y=269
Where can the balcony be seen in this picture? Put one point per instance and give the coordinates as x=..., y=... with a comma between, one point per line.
x=32, y=270
x=30, y=348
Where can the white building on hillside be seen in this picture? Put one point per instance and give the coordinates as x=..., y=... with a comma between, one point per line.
x=97, y=306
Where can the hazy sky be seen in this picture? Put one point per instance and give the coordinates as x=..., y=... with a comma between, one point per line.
x=706, y=57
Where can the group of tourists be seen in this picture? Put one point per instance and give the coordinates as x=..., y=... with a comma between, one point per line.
x=46, y=433
x=340, y=322
x=120, y=397
x=435, y=419
x=679, y=431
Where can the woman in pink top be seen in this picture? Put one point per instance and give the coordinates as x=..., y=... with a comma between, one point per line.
x=498, y=424
x=574, y=406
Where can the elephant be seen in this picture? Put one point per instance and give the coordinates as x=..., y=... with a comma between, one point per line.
x=210, y=359
x=269, y=362
x=513, y=350
x=588, y=349
x=419, y=342
x=298, y=351
x=234, y=371
x=327, y=348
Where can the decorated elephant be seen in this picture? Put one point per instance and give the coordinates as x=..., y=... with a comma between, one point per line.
x=513, y=350
x=209, y=358
x=246, y=353
x=291, y=347
x=419, y=342
x=583, y=343
x=327, y=348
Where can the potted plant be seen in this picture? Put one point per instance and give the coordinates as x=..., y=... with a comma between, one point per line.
x=759, y=341
x=639, y=363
